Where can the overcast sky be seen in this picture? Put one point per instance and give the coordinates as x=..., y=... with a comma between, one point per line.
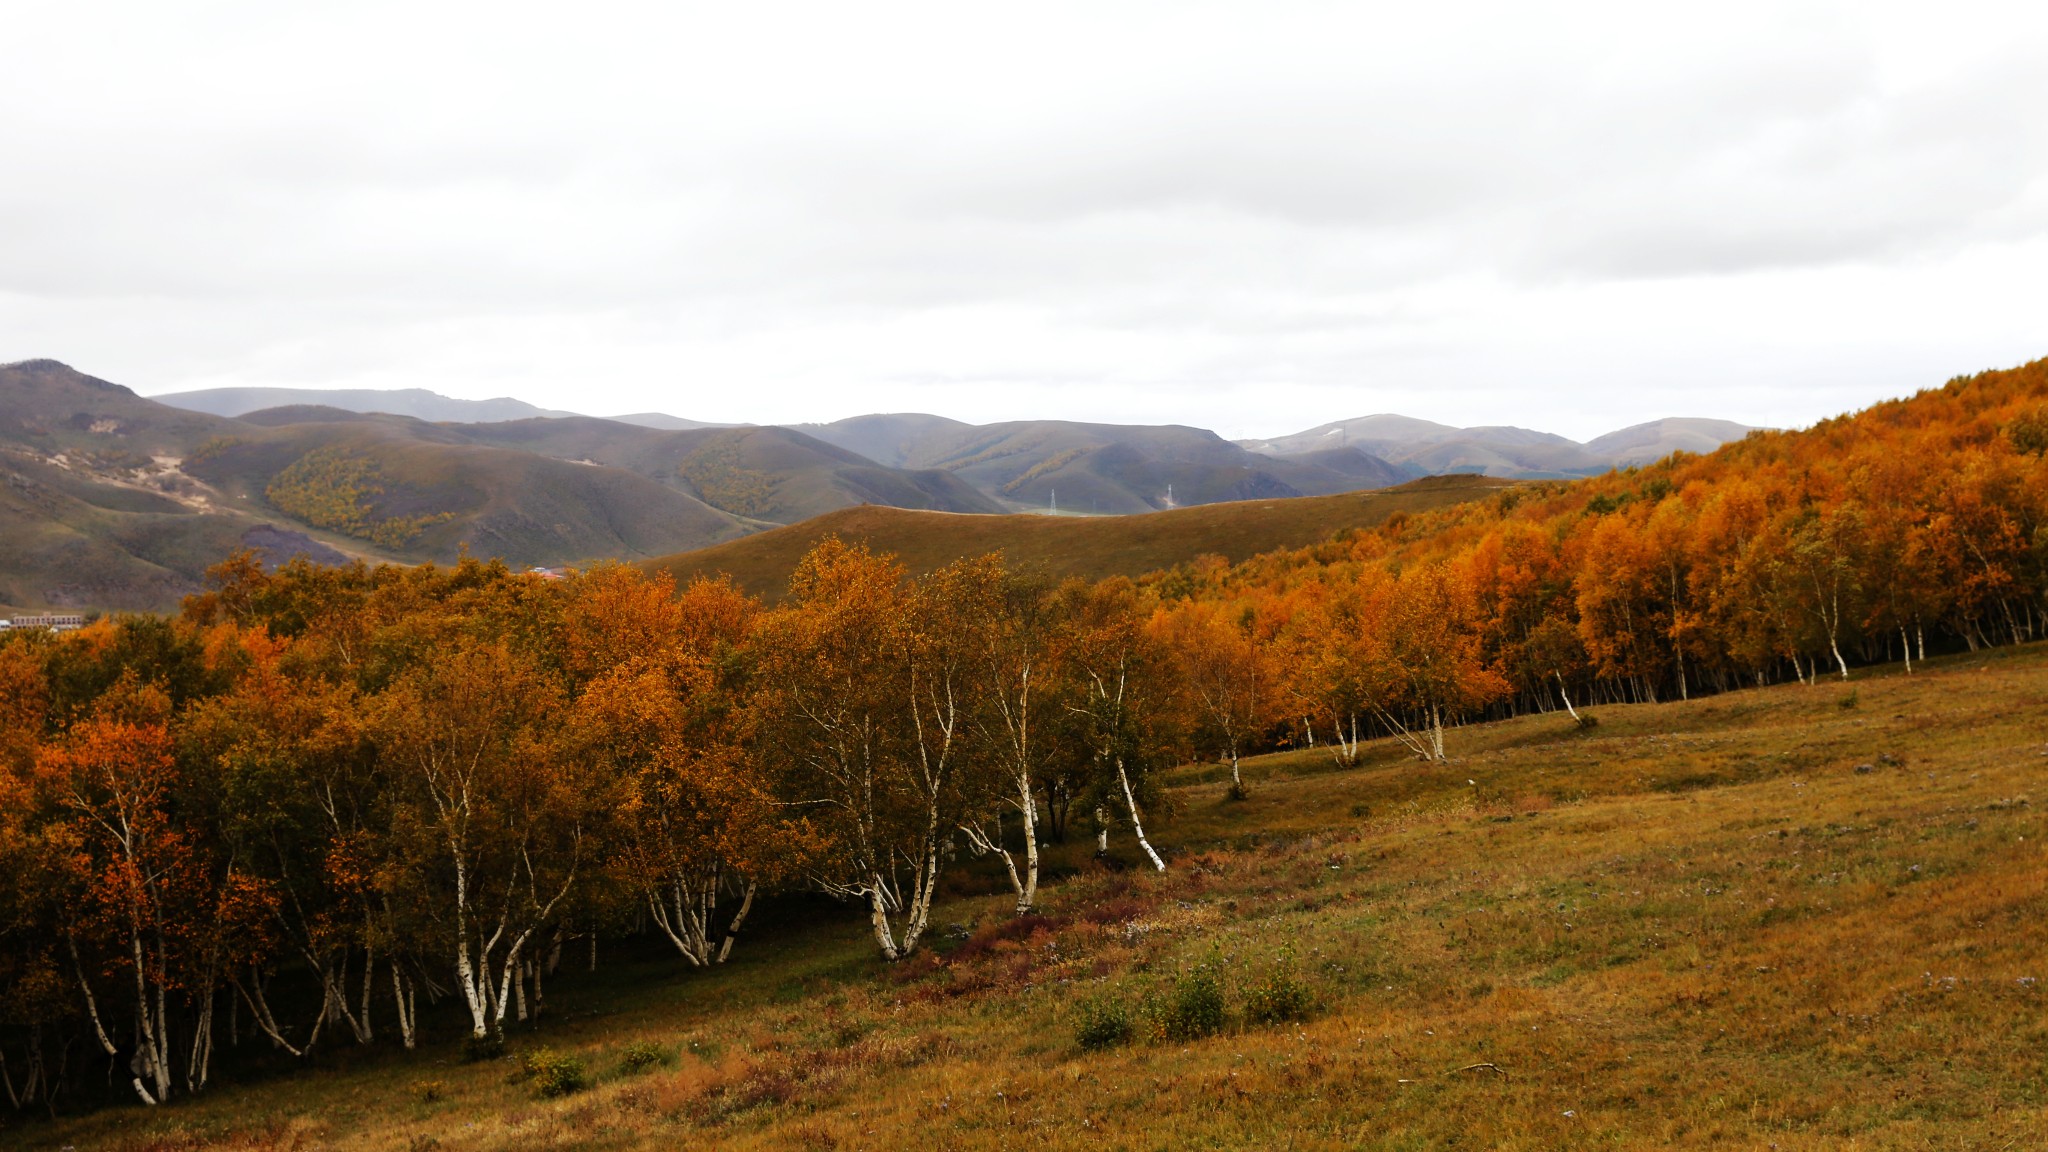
x=1254, y=216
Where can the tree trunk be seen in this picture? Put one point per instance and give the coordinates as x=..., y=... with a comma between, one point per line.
x=878, y=917
x=1028, y=894
x=1137, y=825
x=732, y=928
x=259, y=1010
x=1566, y=697
x=406, y=995
x=201, y=1058
x=92, y=1011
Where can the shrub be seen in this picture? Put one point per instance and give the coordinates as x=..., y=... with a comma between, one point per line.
x=642, y=1055
x=552, y=1073
x=477, y=1049
x=429, y=1091
x=1279, y=996
x=1102, y=1022
x=1194, y=1008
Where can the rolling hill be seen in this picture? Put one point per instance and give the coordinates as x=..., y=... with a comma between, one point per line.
x=111, y=501
x=1801, y=916
x=1062, y=546
x=115, y=501
x=775, y=475
x=1647, y=443
x=1101, y=468
x=886, y=438
x=415, y=402
x=1435, y=449
x=95, y=509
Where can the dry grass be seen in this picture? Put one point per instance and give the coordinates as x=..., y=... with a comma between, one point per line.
x=1759, y=921
x=1088, y=546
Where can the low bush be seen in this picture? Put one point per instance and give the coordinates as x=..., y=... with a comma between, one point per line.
x=642, y=1055
x=477, y=1049
x=553, y=1074
x=1102, y=1021
x=1278, y=996
x=430, y=1091
x=1193, y=1008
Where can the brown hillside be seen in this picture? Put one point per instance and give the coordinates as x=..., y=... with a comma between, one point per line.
x=1089, y=546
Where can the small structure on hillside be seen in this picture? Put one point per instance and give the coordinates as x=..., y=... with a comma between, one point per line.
x=54, y=621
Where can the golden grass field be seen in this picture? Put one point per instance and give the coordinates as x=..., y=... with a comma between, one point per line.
x=1061, y=546
x=1791, y=918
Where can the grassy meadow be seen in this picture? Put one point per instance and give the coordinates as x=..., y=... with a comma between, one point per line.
x=1087, y=546
x=1801, y=917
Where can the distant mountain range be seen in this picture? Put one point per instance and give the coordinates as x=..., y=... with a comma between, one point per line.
x=418, y=403
x=1401, y=447
x=1520, y=453
x=109, y=500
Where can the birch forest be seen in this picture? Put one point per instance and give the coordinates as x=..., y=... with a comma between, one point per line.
x=320, y=801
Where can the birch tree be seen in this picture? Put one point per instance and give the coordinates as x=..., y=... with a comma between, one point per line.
x=1218, y=660
x=489, y=825
x=1118, y=674
x=298, y=794
x=1013, y=671
x=1433, y=649
x=1826, y=544
x=843, y=685
x=699, y=832
x=159, y=917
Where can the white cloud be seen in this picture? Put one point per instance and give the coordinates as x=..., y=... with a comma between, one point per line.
x=1254, y=217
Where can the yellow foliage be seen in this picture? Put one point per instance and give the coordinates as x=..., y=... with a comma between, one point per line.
x=331, y=488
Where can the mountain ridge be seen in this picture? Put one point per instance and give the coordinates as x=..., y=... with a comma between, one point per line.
x=114, y=500
x=1412, y=446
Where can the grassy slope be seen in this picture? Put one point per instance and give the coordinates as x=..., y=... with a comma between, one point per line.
x=88, y=533
x=70, y=542
x=1126, y=469
x=526, y=508
x=1698, y=925
x=1071, y=545
x=777, y=474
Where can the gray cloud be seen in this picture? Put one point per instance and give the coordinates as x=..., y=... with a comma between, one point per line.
x=1256, y=217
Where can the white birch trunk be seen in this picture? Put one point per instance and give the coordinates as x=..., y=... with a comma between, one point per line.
x=732, y=929
x=1566, y=697
x=259, y=1010
x=406, y=995
x=1137, y=825
x=92, y=1011
x=878, y=917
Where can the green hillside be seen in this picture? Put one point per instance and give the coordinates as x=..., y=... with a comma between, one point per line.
x=434, y=497
x=1072, y=545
